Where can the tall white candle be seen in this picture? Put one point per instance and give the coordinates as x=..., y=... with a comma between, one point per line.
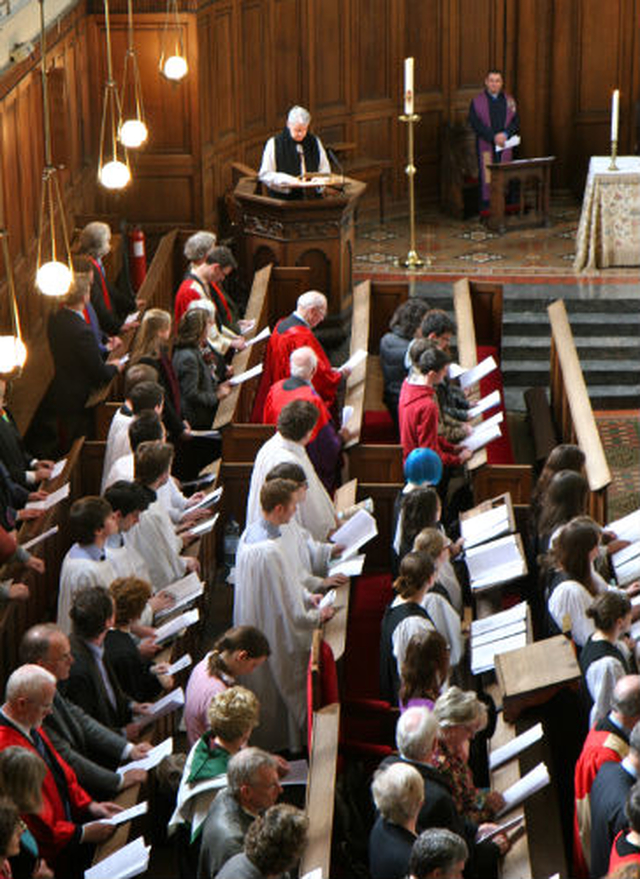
x=615, y=112
x=408, y=86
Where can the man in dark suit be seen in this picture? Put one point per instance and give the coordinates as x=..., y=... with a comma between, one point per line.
x=91, y=683
x=91, y=749
x=608, y=797
x=79, y=369
x=416, y=738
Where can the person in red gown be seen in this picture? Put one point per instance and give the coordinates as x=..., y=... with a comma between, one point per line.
x=325, y=446
x=296, y=331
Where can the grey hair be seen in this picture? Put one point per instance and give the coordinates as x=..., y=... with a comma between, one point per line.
x=94, y=238
x=198, y=245
x=244, y=765
x=626, y=696
x=398, y=792
x=416, y=732
x=303, y=362
x=634, y=739
x=202, y=305
x=298, y=114
x=311, y=299
x=27, y=680
x=456, y=707
x=35, y=642
x=434, y=849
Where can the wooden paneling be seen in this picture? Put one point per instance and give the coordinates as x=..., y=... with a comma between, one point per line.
x=254, y=40
x=289, y=68
x=372, y=40
x=330, y=62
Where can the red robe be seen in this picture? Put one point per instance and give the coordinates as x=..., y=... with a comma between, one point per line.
x=623, y=852
x=190, y=290
x=291, y=333
x=325, y=446
x=418, y=417
x=51, y=828
x=604, y=743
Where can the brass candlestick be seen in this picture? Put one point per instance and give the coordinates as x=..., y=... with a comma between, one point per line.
x=614, y=156
x=412, y=261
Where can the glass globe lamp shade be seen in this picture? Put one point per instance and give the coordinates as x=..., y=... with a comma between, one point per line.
x=133, y=133
x=13, y=354
x=115, y=175
x=175, y=67
x=54, y=278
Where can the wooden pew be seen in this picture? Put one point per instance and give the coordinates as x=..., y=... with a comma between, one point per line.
x=572, y=409
x=356, y=382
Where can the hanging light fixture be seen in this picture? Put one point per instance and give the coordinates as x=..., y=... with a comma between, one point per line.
x=13, y=352
x=113, y=165
x=53, y=277
x=173, y=62
x=133, y=129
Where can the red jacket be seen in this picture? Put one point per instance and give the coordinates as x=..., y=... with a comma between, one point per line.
x=623, y=852
x=52, y=830
x=604, y=743
x=418, y=415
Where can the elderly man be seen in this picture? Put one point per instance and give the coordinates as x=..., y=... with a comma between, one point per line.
x=91, y=749
x=325, y=446
x=252, y=787
x=291, y=154
x=63, y=827
x=296, y=423
x=269, y=593
x=274, y=844
x=607, y=741
x=438, y=854
x=416, y=739
x=609, y=794
x=494, y=118
x=111, y=304
x=296, y=331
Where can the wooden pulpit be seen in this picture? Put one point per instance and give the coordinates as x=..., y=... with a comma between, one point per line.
x=531, y=179
x=314, y=232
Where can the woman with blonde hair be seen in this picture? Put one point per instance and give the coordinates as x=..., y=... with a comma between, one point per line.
x=22, y=773
x=152, y=346
x=437, y=602
x=403, y=618
x=424, y=671
x=233, y=715
x=460, y=716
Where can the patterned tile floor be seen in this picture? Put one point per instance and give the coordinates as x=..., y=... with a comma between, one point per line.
x=467, y=247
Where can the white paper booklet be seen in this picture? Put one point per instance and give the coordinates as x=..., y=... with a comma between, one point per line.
x=355, y=532
x=356, y=358
x=127, y=814
x=495, y=562
x=489, y=402
x=126, y=862
x=526, y=786
x=347, y=414
x=263, y=334
x=485, y=526
x=154, y=757
x=495, y=635
x=483, y=657
x=484, y=433
x=51, y=499
x=165, y=705
x=245, y=376
x=328, y=599
x=351, y=567
x=510, y=143
x=515, y=746
x=472, y=376
x=57, y=468
x=204, y=527
x=627, y=528
x=207, y=501
x=297, y=774
x=499, y=620
x=40, y=537
x=184, y=591
x=168, y=630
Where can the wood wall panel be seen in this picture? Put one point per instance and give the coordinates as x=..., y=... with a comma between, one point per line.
x=423, y=28
x=288, y=71
x=219, y=95
x=330, y=63
x=598, y=72
x=372, y=29
x=254, y=42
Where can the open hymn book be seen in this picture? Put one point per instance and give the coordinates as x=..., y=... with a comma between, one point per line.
x=499, y=633
x=496, y=562
x=626, y=562
x=488, y=520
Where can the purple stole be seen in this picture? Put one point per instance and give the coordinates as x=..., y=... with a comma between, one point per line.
x=485, y=149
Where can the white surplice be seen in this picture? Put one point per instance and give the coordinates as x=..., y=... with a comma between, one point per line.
x=316, y=513
x=117, y=444
x=269, y=596
x=76, y=573
x=156, y=541
x=313, y=555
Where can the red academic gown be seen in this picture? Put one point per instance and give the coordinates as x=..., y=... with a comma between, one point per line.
x=291, y=333
x=623, y=852
x=325, y=447
x=605, y=742
x=51, y=827
x=418, y=417
x=190, y=290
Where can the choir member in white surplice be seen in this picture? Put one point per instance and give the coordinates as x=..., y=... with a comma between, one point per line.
x=269, y=594
x=314, y=556
x=91, y=522
x=295, y=427
x=154, y=537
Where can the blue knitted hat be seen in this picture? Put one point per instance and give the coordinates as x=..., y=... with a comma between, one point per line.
x=423, y=467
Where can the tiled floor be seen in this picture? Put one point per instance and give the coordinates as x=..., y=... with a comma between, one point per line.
x=466, y=247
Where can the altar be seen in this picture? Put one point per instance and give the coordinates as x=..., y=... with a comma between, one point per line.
x=609, y=230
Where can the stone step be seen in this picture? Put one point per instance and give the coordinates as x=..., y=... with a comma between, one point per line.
x=584, y=324
x=601, y=396
x=600, y=347
x=622, y=372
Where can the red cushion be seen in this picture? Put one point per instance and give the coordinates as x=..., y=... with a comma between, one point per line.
x=499, y=451
x=369, y=597
x=378, y=428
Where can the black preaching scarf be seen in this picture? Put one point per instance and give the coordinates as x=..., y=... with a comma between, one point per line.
x=288, y=159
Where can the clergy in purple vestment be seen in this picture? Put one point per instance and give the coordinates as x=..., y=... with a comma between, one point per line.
x=494, y=118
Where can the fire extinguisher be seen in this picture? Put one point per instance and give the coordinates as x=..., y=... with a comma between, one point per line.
x=137, y=257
